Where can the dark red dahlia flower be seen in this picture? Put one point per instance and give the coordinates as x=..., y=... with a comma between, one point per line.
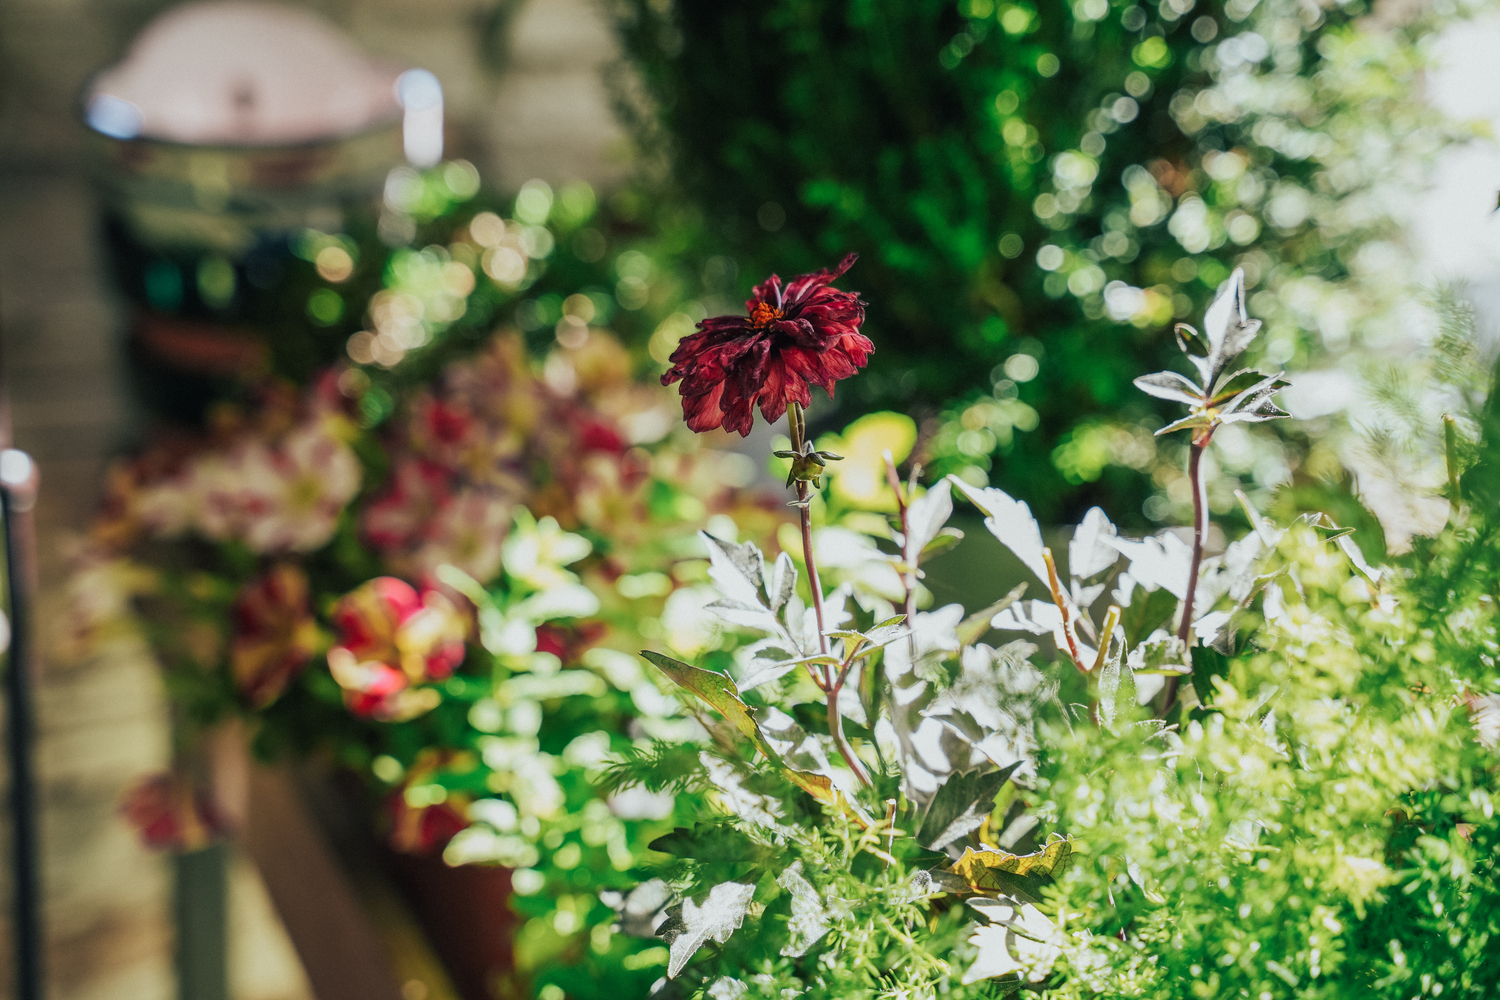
x=794, y=337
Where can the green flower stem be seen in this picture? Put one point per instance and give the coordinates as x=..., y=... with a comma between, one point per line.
x=832, y=683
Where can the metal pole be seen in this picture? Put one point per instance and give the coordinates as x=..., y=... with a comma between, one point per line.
x=17, y=494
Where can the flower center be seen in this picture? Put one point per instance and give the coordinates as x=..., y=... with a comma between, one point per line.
x=763, y=315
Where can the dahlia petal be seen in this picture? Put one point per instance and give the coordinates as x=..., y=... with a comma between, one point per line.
x=703, y=411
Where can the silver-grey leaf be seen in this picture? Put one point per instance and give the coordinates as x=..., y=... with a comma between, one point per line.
x=783, y=582
x=745, y=615
x=1172, y=386
x=690, y=925
x=809, y=921
x=1261, y=391
x=1116, y=691
x=1036, y=617
x=738, y=569
x=1162, y=561
x=1088, y=553
x=1011, y=522
x=927, y=514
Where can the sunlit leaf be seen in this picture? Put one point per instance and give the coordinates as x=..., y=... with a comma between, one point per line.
x=1116, y=691
x=1036, y=617
x=689, y=925
x=1020, y=875
x=809, y=921
x=783, y=582
x=1161, y=561
x=1188, y=422
x=927, y=514
x=1160, y=653
x=1011, y=522
x=1089, y=554
x=738, y=569
x=718, y=691
x=1171, y=386
x=945, y=540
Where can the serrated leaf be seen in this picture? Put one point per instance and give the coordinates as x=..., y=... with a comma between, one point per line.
x=1253, y=398
x=1036, y=617
x=1226, y=327
x=973, y=628
x=690, y=925
x=1021, y=875
x=1011, y=522
x=1171, y=386
x=961, y=806
x=783, y=582
x=763, y=671
x=927, y=514
x=1161, y=653
x=809, y=921
x=716, y=843
x=1116, y=691
x=718, y=691
x=1088, y=552
x=1161, y=561
x=1234, y=383
x=744, y=615
x=738, y=569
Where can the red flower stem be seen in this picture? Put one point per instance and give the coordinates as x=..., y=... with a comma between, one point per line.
x=910, y=558
x=832, y=683
x=1200, y=529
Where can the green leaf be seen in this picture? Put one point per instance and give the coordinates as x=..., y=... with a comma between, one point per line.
x=974, y=627
x=961, y=806
x=717, y=843
x=1023, y=876
x=1147, y=613
x=718, y=691
x=945, y=540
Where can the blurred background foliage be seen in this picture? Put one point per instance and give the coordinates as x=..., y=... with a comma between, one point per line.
x=1038, y=191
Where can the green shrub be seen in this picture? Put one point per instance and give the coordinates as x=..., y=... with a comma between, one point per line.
x=1053, y=181
x=1310, y=813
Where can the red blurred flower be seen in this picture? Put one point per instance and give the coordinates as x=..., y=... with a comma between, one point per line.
x=417, y=491
x=274, y=634
x=806, y=334
x=170, y=815
x=423, y=830
x=390, y=638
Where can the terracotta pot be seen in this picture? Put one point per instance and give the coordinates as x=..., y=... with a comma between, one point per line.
x=466, y=914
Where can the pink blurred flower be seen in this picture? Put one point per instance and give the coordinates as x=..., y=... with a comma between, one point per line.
x=400, y=514
x=169, y=814
x=391, y=638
